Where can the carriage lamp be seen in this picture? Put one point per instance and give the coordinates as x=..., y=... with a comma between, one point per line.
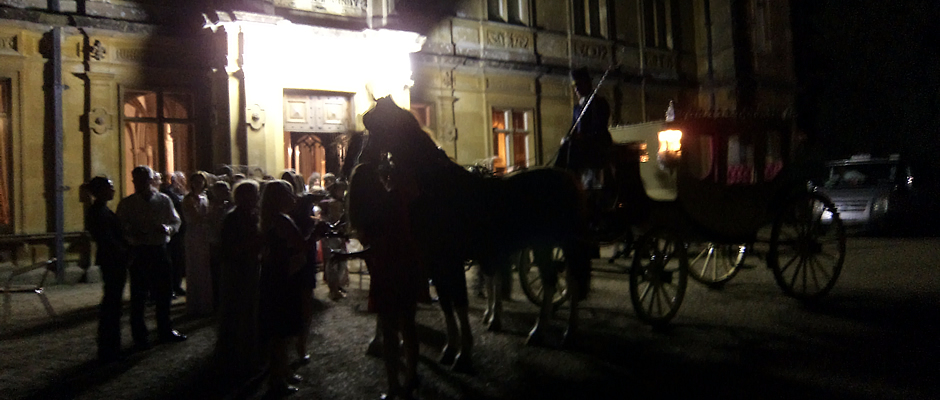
x=669, y=148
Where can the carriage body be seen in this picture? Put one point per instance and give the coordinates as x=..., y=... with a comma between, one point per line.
x=725, y=177
x=702, y=190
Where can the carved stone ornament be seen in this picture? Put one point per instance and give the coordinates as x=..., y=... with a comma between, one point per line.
x=97, y=50
x=99, y=120
x=255, y=117
x=448, y=134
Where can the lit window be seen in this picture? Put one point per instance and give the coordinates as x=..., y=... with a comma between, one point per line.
x=6, y=165
x=158, y=132
x=422, y=113
x=590, y=17
x=658, y=23
x=740, y=161
x=511, y=11
x=512, y=140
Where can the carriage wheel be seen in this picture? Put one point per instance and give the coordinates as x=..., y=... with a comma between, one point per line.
x=715, y=264
x=807, y=247
x=531, y=281
x=658, y=277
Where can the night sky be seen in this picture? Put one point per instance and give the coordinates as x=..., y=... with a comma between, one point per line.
x=869, y=74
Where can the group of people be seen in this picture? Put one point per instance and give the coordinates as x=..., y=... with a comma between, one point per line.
x=133, y=241
x=249, y=255
x=249, y=251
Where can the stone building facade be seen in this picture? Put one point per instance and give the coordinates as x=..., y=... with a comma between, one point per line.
x=95, y=87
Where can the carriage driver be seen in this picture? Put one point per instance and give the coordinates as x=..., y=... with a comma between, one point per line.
x=584, y=151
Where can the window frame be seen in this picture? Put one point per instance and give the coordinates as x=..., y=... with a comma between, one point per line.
x=591, y=18
x=508, y=143
x=6, y=147
x=659, y=29
x=161, y=122
x=502, y=11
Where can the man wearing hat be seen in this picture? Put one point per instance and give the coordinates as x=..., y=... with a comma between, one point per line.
x=584, y=150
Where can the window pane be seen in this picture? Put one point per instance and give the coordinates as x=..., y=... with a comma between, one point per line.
x=177, y=105
x=661, y=32
x=649, y=22
x=499, y=119
x=6, y=212
x=496, y=10
x=519, y=150
x=592, y=10
x=516, y=12
x=141, y=147
x=179, y=148
x=499, y=150
x=140, y=104
x=519, y=121
x=579, y=17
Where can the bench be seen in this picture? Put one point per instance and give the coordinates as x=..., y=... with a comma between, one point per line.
x=9, y=287
x=78, y=246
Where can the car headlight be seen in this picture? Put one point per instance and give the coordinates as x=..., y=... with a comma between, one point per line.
x=880, y=205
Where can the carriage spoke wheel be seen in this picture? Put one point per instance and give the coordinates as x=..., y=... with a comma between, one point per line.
x=807, y=247
x=531, y=280
x=715, y=264
x=658, y=277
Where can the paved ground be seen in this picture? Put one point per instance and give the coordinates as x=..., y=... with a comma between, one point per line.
x=875, y=338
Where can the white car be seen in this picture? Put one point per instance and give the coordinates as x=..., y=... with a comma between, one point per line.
x=877, y=195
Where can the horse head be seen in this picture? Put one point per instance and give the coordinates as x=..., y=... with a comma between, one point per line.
x=396, y=131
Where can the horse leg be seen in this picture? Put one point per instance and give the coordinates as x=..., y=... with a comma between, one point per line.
x=489, y=290
x=464, y=360
x=449, y=353
x=549, y=276
x=495, y=303
x=375, y=345
x=578, y=279
x=573, y=321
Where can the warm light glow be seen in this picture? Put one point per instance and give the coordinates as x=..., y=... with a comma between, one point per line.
x=669, y=140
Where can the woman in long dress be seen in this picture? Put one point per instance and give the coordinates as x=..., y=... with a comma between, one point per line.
x=241, y=243
x=198, y=229
x=335, y=274
x=283, y=258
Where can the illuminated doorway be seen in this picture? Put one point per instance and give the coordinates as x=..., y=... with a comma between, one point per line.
x=307, y=154
x=317, y=127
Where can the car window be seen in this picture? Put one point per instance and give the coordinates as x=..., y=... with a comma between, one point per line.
x=862, y=175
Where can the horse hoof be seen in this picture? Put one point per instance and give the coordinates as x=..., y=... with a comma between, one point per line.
x=535, y=338
x=569, y=339
x=374, y=349
x=448, y=356
x=495, y=325
x=463, y=364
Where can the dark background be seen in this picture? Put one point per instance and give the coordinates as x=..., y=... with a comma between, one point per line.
x=869, y=76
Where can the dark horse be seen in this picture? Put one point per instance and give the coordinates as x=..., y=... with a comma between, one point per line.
x=459, y=216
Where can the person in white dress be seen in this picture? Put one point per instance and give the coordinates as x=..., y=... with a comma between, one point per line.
x=199, y=296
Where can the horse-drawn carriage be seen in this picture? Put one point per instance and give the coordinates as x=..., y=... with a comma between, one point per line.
x=708, y=184
x=694, y=196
